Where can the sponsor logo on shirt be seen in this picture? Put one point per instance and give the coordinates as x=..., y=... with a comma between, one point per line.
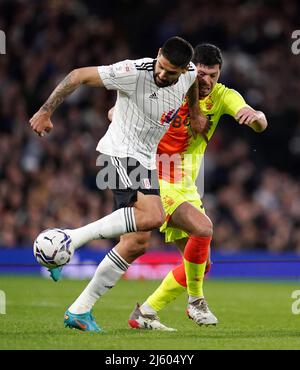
x=153, y=96
x=167, y=118
x=209, y=103
x=111, y=72
x=146, y=183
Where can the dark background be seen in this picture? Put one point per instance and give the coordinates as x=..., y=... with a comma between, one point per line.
x=252, y=188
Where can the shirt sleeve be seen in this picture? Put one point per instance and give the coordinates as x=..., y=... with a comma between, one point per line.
x=119, y=76
x=233, y=102
x=192, y=73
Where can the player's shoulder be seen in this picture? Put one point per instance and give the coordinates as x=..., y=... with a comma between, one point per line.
x=122, y=68
x=144, y=64
x=191, y=71
x=190, y=75
x=192, y=68
x=222, y=90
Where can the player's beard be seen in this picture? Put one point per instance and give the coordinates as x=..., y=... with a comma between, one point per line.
x=161, y=83
x=204, y=90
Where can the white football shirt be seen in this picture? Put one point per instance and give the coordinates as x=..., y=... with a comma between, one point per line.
x=143, y=111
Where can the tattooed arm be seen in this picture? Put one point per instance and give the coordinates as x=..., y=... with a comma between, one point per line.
x=41, y=121
x=198, y=121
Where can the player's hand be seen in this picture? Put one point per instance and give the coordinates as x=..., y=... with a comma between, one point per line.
x=200, y=125
x=246, y=116
x=40, y=122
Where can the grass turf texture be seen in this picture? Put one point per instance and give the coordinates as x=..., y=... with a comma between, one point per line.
x=252, y=315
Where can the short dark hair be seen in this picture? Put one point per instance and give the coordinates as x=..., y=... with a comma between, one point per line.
x=178, y=51
x=208, y=55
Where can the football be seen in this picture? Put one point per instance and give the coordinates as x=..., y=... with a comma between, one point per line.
x=52, y=248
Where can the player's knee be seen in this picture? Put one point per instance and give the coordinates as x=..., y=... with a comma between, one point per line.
x=205, y=229
x=208, y=231
x=152, y=220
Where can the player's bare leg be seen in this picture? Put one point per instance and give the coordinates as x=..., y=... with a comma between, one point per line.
x=191, y=220
x=133, y=245
x=195, y=255
x=146, y=214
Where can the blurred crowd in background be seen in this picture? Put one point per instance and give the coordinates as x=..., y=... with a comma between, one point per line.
x=252, y=191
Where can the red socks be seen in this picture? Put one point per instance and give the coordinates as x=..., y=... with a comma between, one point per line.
x=196, y=251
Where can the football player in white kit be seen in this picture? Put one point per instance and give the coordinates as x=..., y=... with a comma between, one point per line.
x=149, y=95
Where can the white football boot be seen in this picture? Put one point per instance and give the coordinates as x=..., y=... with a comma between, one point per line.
x=137, y=320
x=199, y=312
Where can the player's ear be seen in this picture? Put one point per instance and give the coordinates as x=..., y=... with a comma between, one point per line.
x=159, y=53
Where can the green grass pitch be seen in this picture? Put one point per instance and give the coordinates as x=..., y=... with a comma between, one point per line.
x=252, y=315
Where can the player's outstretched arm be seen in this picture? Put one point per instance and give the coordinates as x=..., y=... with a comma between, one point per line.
x=41, y=120
x=252, y=118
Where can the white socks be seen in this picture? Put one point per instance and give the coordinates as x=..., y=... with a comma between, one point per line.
x=119, y=222
x=194, y=299
x=110, y=270
x=146, y=309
